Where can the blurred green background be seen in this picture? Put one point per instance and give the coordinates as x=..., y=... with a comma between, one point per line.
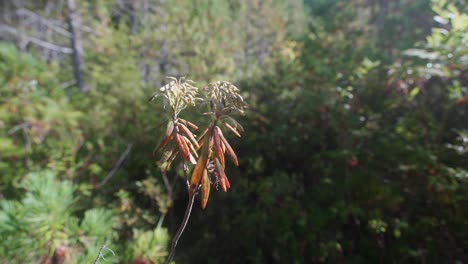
x=355, y=147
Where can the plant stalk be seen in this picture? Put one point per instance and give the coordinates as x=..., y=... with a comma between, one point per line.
x=188, y=212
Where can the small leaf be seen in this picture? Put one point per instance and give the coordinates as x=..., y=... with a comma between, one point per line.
x=166, y=155
x=217, y=145
x=165, y=164
x=414, y=93
x=189, y=134
x=197, y=173
x=223, y=147
x=223, y=181
x=192, y=148
x=188, y=123
x=164, y=143
x=169, y=128
x=205, y=189
x=234, y=123
x=192, y=159
x=229, y=149
x=183, y=147
x=232, y=129
x=201, y=137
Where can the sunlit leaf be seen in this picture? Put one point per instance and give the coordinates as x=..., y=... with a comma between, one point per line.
x=217, y=145
x=188, y=123
x=229, y=149
x=197, y=173
x=189, y=134
x=232, y=129
x=184, y=148
x=169, y=128
x=205, y=189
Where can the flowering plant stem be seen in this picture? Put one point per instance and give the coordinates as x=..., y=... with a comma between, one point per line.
x=188, y=212
x=209, y=148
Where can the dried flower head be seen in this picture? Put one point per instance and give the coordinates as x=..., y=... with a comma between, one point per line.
x=224, y=98
x=178, y=94
x=179, y=139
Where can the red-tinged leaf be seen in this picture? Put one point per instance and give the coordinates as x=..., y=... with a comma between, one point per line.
x=223, y=181
x=228, y=184
x=217, y=145
x=232, y=129
x=462, y=101
x=219, y=168
x=188, y=123
x=205, y=189
x=183, y=147
x=223, y=147
x=189, y=134
x=189, y=143
x=229, y=149
x=163, y=143
x=197, y=173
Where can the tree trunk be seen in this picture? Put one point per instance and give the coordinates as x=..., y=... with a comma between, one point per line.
x=77, y=46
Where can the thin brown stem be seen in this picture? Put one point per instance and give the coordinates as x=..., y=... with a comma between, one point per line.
x=188, y=212
x=168, y=185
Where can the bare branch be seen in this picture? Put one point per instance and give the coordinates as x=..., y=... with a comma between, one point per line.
x=117, y=166
x=36, y=41
x=54, y=25
x=13, y=130
x=77, y=46
x=169, y=187
x=67, y=84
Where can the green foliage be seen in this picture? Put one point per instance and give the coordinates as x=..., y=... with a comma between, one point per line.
x=354, y=148
x=351, y=169
x=151, y=245
x=37, y=118
x=44, y=223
